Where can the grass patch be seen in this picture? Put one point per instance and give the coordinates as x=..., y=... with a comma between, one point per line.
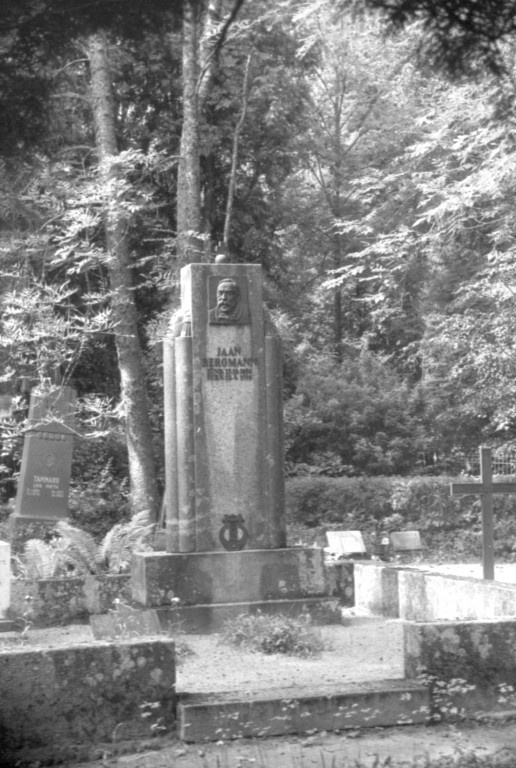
x=273, y=634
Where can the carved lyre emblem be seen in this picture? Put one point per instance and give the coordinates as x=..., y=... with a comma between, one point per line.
x=233, y=534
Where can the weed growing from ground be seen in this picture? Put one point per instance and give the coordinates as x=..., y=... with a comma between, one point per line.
x=273, y=634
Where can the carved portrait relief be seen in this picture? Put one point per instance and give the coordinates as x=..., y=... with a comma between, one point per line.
x=228, y=304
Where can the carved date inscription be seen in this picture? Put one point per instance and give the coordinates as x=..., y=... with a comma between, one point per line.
x=229, y=364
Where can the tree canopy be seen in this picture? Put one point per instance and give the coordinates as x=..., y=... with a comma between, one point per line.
x=459, y=35
x=376, y=193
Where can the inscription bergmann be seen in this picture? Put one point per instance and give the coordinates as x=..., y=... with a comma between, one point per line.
x=229, y=365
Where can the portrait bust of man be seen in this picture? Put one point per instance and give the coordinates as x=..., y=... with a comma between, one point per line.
x=230, y=309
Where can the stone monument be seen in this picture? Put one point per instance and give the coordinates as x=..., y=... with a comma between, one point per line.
x=43, y=484
x=225, y=520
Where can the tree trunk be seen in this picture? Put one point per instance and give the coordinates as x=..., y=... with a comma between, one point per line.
x=142, y=471
x=188, y=178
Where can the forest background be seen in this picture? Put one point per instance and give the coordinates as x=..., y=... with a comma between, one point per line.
x=373, y=183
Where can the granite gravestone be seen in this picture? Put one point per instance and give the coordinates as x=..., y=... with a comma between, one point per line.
x=223, y=429
x=45, y=473
x=43, y=485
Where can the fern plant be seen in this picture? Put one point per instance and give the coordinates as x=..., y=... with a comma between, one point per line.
x=41, y=560
x=74, y=552
x=117, y=546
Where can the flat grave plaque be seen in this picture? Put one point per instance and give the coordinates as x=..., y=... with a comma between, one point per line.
x=406, y=541
x=346, y=542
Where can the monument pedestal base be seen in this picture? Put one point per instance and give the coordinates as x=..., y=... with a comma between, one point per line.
x=203, y=589
x=203, y=619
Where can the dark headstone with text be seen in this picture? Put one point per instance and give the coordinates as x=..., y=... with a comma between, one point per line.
x=45, y=475
x=43, y=484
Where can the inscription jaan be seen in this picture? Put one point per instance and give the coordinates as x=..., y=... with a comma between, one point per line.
x=229, y=365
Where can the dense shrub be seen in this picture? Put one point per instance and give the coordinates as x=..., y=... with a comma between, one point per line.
x=354, y=418
x=449, y=525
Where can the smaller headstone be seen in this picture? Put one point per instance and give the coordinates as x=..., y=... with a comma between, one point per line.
x=406, y=541
x=43, y=485
x=42, y=493
x=45, y=475
x=345, y=543
x=124, y=622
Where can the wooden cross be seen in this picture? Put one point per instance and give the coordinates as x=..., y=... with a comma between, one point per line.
x=485, y=489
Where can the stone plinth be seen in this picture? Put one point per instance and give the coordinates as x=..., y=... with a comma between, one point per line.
x=223, y=419
x=203, y=589
x=161, y=578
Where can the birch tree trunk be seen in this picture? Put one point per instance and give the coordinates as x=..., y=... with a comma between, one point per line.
x=142, y=471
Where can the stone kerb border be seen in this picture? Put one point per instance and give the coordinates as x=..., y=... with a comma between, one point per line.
x=56, y=699
x=470, y=664
x=51, y=602
x=417, y=595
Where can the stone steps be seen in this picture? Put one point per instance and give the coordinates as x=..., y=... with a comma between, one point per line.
x=230, y=715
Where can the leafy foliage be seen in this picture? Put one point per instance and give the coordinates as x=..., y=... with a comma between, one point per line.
x=273, y=634
x=353, y=418
x=459, y=34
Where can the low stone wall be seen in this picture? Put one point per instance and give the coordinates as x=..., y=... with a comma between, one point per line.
x=417, y=595
x=52, y=602
x=470, y=664
x=340, y=581
x=55, y=697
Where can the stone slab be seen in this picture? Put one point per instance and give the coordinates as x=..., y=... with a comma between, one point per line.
x=232, y=716
x=203, y=619
x=200, y=578
x=85, y=693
